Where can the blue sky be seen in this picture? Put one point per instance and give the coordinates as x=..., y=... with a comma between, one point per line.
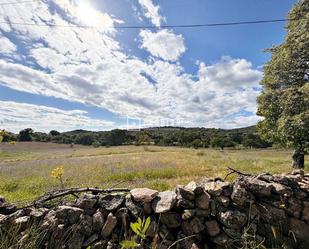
x=103, y=78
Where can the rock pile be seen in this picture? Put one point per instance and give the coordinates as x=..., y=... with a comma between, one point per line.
x=272, y=210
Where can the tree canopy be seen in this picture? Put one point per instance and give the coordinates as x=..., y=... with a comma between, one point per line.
x=284, y=102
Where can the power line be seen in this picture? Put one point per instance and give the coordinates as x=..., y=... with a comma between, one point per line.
x=155, y=26
x=11, y=3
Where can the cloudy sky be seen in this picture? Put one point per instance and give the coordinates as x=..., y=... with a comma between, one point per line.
x=55, y=75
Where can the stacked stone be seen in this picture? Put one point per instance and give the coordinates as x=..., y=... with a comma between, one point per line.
x=209, y=213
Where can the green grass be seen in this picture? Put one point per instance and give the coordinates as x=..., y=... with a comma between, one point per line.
x=25, y=168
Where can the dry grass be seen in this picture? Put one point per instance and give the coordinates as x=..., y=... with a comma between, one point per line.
x=25, y=167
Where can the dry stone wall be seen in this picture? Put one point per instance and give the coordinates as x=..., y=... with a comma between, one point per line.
x=272, y=210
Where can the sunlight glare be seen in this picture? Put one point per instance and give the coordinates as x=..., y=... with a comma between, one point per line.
x=88, y=15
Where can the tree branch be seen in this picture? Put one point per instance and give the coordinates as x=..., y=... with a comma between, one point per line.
x=235, y=171
x=73, y=191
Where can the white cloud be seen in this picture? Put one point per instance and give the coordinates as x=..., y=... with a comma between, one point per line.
x=16, y=116
x=151, y=11
x=89, y=66
x=6, y=46
x=164, y=44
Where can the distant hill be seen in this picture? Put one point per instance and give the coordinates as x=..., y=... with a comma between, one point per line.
x=165, y=136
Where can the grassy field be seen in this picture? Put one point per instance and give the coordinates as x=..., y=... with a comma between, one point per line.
x=25, y=167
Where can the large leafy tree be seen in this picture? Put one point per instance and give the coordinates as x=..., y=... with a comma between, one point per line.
x=284, y=101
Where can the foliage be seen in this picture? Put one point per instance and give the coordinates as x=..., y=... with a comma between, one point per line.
x=140, y=228
x=25, y=135
x=284, y=102
x=58, y=173
x=2, y=132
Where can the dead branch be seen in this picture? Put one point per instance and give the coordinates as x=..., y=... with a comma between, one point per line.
x=73, y=191
x=235, y=171
x=176, y=242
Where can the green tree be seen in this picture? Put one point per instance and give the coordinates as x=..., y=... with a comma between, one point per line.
x=85, y=139
x=117, y=137
x=25, y=135
x=54, y=133
x=284, y=101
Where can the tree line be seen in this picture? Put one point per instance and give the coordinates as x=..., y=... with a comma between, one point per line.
x=163, y=136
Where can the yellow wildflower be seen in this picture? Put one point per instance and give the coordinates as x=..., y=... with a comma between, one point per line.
x=57, y=172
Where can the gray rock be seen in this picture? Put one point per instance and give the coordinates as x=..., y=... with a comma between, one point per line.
x=281, y=189
x=76, y=242
x=202, y=201
x=134, y=209
x=98, y=221
x=6, y=208
x=258, y=187
x=215, y=188
x=99, y=245
x=185, y=193
x=22, y=222
x=223, y=201
x=233, y=218
x=240, y=196
x=164, y=202
x=194, y=187
x=109, y=225
x=183, y=203
x=91, y=240
x=143, y=194
x=86, y=201
x=212, y=228
x=171, y=219
x=68, y=212
x=111, y=202
x=86, y=225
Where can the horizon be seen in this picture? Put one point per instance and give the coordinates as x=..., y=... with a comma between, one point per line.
x=55, y=77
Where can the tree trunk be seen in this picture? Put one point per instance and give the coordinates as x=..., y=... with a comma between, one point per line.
x=298, y=159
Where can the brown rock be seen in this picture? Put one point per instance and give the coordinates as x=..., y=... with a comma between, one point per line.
x=305, y=213
x=143, y=194
x=223, y=201
x=202, y=201
x=171, y=219
x=197, y=225
x=301, y=230
x=187, y=228
x=222, y=240
x=212, y=228
x=257, y=186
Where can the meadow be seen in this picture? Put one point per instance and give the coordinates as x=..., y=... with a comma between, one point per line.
x=25, y=168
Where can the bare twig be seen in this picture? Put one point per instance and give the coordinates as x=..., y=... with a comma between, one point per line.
x=235, y=171
x=177, y=241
